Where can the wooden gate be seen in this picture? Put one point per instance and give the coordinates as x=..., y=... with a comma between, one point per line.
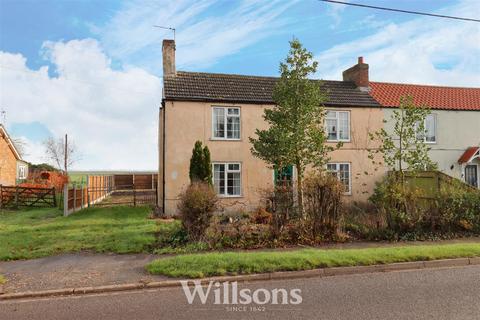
x=16, y=197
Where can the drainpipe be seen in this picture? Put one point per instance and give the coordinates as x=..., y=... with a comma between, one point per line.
x=164, y=152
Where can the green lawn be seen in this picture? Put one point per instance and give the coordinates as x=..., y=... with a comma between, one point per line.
x=214, y=264
x=43, y=232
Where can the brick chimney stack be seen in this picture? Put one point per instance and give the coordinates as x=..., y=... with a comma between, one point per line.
x=168, y=53
x=358, y=74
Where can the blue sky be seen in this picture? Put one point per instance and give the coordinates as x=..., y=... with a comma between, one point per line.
x=93, y=68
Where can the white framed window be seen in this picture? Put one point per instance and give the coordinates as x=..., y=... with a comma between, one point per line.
x=430, y=126
x=342, y=171
x=226, y=123
x=227, y=179
x=22, y=172
x=337, y=124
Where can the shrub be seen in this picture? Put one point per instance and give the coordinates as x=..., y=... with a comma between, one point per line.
x=280, y=203
x=238, y=232
x=322, y=204
x=261, y=216
x=401, y=205
x=200, y=164
x=197, y=204
x=458, y=210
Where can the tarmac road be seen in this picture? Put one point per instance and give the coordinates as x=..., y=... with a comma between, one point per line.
x=450, y=293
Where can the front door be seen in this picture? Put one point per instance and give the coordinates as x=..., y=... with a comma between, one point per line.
x=471, y=175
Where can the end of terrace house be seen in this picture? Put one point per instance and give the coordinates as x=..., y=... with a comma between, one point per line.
x=224, y=110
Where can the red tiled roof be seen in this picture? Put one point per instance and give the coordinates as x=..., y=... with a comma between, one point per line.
x=468, y=154
x=434, y=97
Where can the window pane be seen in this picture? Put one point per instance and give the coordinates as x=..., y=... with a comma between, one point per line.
x=420, y=135
x=343, y=125
x=233, y=183
x=332, y=129
x=233, y=111
x=219, y=178
x=345, y=176
x=430, y=127
x=331, y=115
x=233, y=166
x=233, y=127
x=332, y=169
x=219, y=122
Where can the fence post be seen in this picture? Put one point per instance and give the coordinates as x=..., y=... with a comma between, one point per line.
x=1, y=197
x=74, y=196
x=16, y=197
x=134, y=196
x=88, y=194
x=54, y=198
x=65, y=199
x=81, y=198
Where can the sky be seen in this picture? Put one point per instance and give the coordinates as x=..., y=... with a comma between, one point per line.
x=92, y=69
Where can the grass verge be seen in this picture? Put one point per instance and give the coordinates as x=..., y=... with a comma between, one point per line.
x=216, y=264
x=37, y=233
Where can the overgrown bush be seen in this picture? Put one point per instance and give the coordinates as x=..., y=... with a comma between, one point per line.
x=322, y=195
x=197, y=204
x=237, y=232
x=280, y=203
x=458, y=209
x=402, y=206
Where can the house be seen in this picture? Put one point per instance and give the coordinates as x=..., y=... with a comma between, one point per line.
x=452, y=127
x=224, y=110
x=12, y=167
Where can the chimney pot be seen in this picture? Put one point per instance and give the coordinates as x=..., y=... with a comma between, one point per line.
x=168, y=53
x=360, y=60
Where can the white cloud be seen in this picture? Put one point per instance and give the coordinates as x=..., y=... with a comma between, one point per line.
x=110, y=114
x=423, y=50
x=206, y=30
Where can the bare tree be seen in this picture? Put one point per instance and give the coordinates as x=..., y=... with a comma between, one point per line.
x=20, y=145
x=60, y=152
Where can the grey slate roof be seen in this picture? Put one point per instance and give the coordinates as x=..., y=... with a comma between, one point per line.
x=215, y=87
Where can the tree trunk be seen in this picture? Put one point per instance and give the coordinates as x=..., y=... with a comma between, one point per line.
x=300, y=189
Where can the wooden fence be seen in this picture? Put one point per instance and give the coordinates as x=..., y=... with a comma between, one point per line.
x=433, y=182
x=16, y=197
x=78, y=197
x=111, y=190
x=142, y=181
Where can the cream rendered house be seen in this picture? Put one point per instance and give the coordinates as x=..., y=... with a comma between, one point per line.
x=224, y=110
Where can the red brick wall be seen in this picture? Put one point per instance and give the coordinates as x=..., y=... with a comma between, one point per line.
x=8, y=163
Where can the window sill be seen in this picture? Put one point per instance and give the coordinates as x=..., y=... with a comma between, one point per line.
x=224, y=139
x=229, y=197
x=337, y=141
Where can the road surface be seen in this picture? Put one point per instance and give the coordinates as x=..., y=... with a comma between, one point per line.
x=452, y=293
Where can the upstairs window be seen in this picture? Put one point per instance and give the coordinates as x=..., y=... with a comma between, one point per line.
x=227, y=179
x=22, y=172
x=226, y=123
x=337, y=124
x=343, y=174
x=430, y=129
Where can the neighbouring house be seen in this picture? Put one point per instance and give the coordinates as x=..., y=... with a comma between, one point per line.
x=12, y=168
x=452, y=128
x=224, y=110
